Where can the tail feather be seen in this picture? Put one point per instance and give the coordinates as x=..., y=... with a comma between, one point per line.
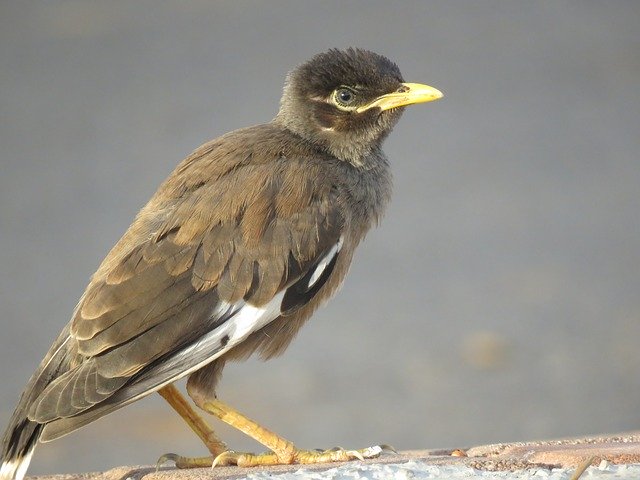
x=17, y=448
x=21, y=437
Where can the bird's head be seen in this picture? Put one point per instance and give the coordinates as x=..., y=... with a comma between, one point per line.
x=347, y=101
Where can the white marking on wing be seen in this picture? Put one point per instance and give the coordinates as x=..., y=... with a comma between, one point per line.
x=240, y=325
x=324, y=262
x=250, y=319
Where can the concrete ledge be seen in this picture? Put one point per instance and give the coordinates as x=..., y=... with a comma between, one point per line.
x=604, y=450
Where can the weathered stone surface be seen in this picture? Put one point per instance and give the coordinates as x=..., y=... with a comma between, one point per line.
x=563, y=453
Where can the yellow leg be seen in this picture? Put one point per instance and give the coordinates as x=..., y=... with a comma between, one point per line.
x=284, y=451
x=180, y=404
x=282, y=448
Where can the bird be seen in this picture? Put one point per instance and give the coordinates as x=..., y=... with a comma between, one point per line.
x=237, y=248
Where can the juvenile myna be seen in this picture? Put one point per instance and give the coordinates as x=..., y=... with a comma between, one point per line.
x=234, y=252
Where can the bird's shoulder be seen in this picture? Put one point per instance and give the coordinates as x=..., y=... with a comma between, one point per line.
x=260, y=145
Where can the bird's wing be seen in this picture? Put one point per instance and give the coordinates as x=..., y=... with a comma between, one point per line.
x=223, y=259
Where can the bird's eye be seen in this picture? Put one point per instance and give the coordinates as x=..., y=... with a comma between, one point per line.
x=344, y=97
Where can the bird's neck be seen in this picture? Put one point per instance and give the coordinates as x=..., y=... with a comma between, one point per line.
x=344, y=147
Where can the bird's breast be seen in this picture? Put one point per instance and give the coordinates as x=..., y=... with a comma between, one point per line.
x=366, y=193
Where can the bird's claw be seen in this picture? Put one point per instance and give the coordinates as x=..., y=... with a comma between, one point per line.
x=227, y=458
x=183, y=462
x=165, y=458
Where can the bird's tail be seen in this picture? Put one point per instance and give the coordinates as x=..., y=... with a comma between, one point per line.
x=22, y=434
x=18, y=445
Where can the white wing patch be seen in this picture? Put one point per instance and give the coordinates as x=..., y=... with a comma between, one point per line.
x=324, y=262
x=250, y=319
x=246, y=320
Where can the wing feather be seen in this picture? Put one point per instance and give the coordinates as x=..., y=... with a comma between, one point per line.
x=235, y=324
x=162, y=307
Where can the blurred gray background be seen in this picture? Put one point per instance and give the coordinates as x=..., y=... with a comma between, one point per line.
x=498, y=301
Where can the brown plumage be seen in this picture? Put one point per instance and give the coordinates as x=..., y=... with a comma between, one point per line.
x=232, y=254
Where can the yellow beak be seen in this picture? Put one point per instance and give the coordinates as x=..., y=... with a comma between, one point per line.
x=407, y=94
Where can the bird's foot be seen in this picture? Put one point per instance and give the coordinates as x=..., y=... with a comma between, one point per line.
x=298, y=456
x=242, y=459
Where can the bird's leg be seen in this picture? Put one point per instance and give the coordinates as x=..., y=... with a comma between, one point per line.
x=282, y=451
x=201, y=388
x=181, y=405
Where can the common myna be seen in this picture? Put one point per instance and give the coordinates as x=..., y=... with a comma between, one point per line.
x=234, y=252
